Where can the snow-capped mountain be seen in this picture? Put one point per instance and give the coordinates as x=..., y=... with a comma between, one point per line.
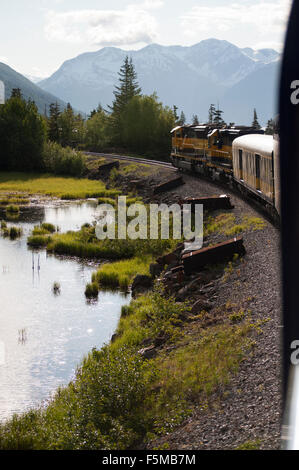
x=189, y=77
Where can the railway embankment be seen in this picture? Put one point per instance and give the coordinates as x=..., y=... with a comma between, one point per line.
x=244, y=411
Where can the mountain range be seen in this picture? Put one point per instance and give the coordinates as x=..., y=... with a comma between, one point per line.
x=212, y=71
x=13, y=79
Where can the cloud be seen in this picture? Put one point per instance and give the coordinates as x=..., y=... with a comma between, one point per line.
x=261, y=20
x=133, y=25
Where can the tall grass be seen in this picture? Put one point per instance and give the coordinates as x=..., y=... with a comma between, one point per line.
x=11, y=232
x=34, y=183
x=121, y=273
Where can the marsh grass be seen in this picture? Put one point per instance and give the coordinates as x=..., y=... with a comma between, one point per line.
x=121, y=273
x=38, y=241
x=92, y=290
x=11, y=232
x=85, y=244
x=56, y=288
x=44, y=229
x=13, y=200
x=34, y=183
x=12, y=209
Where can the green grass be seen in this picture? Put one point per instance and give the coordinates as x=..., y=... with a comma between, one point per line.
x=12, y=209
x=44, y=229
x=85, y=244
x=68, y=187
x=13, y=200
x=249, y=445
x=38, y=241
x=227, y=224
x=11, y=232
x=121, y=273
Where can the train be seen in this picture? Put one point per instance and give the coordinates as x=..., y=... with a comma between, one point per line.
x=243, y=157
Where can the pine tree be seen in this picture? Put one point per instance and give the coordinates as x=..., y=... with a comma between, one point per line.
x=182, y=119
x=270, y=127
x=195, y=120
x=218, y=120
x=53, y=123
x=175, y=113
x=212, y=111
x=255, y=122
x=126, y=90
x=22, y=135
x=16, y=93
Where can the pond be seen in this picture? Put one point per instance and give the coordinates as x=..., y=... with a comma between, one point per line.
x=45, y=335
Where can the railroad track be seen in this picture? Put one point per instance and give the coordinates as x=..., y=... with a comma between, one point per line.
x=133, y=159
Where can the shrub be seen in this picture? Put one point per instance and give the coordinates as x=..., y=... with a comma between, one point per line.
x=62, y=160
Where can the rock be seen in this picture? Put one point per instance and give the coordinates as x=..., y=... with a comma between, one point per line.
x=155, y=269
x=201, y=304
x=182, y=293
x=170, y=258
x=141, y=283
x=148, y=352
x=137, y=184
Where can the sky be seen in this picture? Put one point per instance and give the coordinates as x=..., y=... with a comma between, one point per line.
x=37, y=36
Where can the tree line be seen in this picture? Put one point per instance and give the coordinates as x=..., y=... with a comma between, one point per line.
x=134, y=123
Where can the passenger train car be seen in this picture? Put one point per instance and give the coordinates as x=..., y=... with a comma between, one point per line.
x=241, y=156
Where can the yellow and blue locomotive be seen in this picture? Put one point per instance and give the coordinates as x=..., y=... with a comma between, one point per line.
x=242, y=156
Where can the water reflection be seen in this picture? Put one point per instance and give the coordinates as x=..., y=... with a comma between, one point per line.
x=46, y=335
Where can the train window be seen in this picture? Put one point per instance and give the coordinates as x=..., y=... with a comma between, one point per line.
x=241, y=163
x=258, y=171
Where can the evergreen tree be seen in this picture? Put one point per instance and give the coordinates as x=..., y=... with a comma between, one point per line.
x=218, y=120
x=175, y=113
x=182, y=119
x=255, y=122
x=22, y=135
x=270, y=127
x=66, y=125
x=53, y=123
x=147, y=124
x=126, y=90
x=195, y=120
x=212, y=110
x=96, y=136
x=16, y=93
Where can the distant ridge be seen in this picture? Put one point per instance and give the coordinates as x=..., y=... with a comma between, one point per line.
x=13, y=79
x=190, y=77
